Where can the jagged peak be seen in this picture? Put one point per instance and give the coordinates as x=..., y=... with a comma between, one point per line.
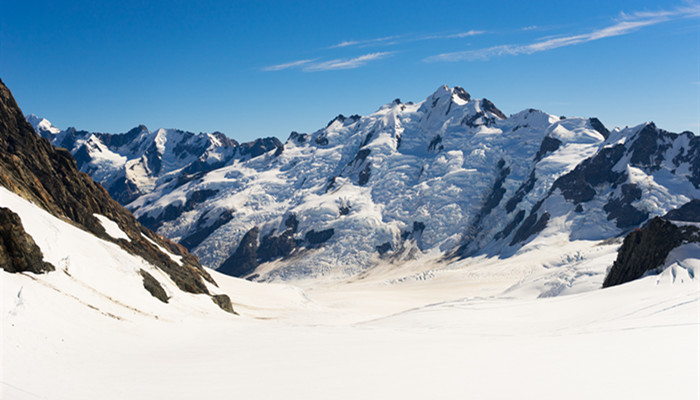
x=341, y=118
x=138, y=129
x=455, y=94
x=40, y=123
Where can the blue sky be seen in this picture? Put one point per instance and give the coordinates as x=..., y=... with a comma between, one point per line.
x=265, y=68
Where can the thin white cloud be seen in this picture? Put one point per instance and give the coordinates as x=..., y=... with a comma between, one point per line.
x=288, y=65
x=627, y=24
x=345, y=63
x=530, y=28
x=397, y=39
x=380, y=40
x=472, y=32
x=690, y=10
x=466, y=34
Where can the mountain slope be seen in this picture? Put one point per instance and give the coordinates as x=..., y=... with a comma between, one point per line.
x=48, y=177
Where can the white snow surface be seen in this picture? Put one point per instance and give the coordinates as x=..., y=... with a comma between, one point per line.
x=534, y=325
x=112, y=228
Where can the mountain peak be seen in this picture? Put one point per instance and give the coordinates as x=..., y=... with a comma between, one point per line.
x=41, y=126
x=456, y=94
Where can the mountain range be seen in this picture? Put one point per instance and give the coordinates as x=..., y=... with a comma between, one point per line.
x=451, y=176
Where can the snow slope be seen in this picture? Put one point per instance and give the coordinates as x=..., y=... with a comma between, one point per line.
x=97, y=274
x=473, y=330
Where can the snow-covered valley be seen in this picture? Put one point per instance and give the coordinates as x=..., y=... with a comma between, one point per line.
x=428, y=329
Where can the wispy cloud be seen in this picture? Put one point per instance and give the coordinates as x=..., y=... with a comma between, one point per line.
x=293, y=64
x=626, y=24
x=689, y=10
x=346, y=63
x=465, y=34
x=530, y=28
x=339, y=63
x=472, y=32
x=397, y=39
x=380, y=40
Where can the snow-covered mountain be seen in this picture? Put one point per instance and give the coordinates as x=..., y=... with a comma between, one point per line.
x=449, y=177
x=56, y=219
x=131, y=164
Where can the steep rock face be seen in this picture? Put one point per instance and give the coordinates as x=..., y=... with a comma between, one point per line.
x=687, y=212
x=18, y=252
x=31, y=167
x=646, y=249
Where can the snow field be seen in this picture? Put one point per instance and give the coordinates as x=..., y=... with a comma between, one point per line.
x=424, y=329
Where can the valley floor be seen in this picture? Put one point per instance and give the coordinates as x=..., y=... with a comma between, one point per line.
x=475, y=330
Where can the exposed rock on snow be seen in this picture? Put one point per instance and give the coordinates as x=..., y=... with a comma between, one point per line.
x=646, y=249
x=18, y=252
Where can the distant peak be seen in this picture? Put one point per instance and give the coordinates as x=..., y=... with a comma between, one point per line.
x=41, y=124
x=139, y=129
x=456, y=93
x=442, y=91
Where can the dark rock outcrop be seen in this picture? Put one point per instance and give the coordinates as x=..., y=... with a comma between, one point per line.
x=621, y=209
x=153, y=286
x=205, y=227
x=461, y=93
x=319, y=237
x=549, y=145
x=18, y=251
x=245, y=259
x=521, y=192
x=260, y=146
x=578, y=185
x=224, y=302
x=487, y=105
x=689, y=212
x=646, y=249
x=598, y=126
x=531, y=226
x=274, y=247
x=511, y=225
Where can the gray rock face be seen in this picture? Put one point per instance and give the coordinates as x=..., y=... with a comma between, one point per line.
x=153, y=287
x=18, y=251
x=688, y=212
x=646, y=249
